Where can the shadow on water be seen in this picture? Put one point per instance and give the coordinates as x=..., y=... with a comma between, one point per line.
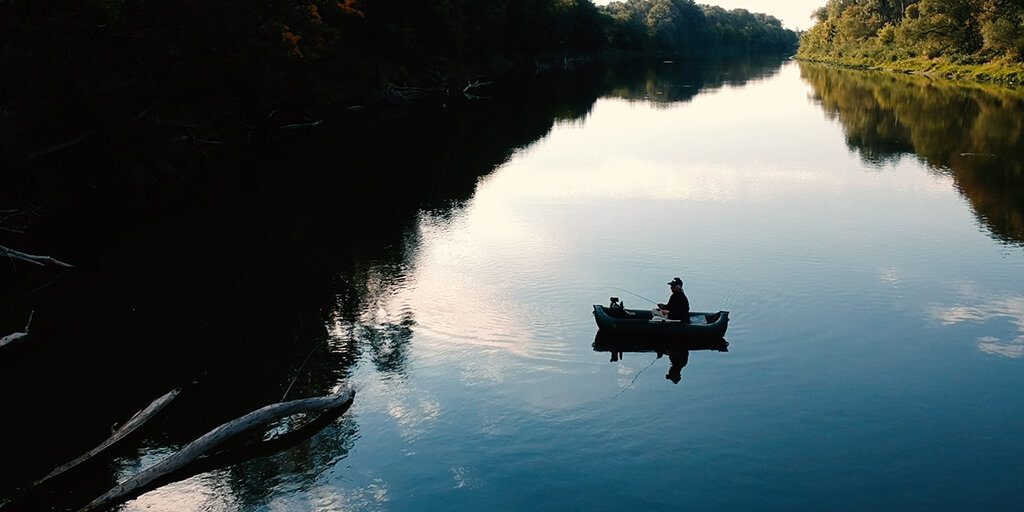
x=969, y=132
x=268, y=275
x=678, y=350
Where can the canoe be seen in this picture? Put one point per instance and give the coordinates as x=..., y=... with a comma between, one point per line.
x=641, y=322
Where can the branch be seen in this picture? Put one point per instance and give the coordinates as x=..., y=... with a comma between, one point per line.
x=224, y=458
x=133, y=424
x=15, y=336
x=60, y=146
x=228, y=430
x=301, y=125
x=472, y=85
x=31, y=258
x=11, y=338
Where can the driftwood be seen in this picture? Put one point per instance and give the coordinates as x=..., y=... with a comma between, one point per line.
x=15, y=336
x=473, y=85
x=11, y=338
x=408, y=93
x=211, y=439
x=133, y=424
x=296, y=126
x=31, y=258
x=225, y=457
x=35, y=496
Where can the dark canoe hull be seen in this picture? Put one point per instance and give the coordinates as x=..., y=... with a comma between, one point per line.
x=640, y=323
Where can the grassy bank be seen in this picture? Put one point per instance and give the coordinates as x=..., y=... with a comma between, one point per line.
x=981, y=41
x=1004, y=73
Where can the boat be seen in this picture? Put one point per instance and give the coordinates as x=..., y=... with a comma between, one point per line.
x=642, y=322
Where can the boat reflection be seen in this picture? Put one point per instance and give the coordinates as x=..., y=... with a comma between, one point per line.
x=678, y=350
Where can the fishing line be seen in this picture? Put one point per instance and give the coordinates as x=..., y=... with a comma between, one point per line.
x=635, y=294
x=637, y=376
x=299, y=371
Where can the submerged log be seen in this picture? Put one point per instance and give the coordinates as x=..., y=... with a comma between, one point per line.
x=211, y=439
x=133, y=424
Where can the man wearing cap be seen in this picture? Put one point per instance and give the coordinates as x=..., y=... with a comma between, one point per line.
x=678, y=307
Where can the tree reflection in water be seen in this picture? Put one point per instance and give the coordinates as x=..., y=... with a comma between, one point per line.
x=968, y=131
x=301, y=245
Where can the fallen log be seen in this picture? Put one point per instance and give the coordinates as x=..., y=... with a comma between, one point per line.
x=31, y=258
x=211, y=439
x=15, y=336
x=11, y=338
x=130, y=426
x=225, y=457
x=35, y=496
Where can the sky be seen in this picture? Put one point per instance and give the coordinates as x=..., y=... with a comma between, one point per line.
x=795, y=14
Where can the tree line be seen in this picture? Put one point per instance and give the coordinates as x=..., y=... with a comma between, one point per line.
x=969, y=32
x=109, y=60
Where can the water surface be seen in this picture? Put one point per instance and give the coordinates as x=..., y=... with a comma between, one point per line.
x=863, y=230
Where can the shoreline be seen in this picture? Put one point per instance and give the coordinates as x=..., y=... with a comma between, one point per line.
x=1008, y=76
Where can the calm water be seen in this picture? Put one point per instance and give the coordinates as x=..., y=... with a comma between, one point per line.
x=864, y=230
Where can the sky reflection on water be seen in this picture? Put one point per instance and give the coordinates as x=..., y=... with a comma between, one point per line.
x=835, y=271
x=875, y=343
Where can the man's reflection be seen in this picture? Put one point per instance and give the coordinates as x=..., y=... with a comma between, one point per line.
x=678, y=350
x=678, y=360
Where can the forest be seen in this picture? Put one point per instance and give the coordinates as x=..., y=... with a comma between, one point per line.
x=78, y=67
x=981, y=39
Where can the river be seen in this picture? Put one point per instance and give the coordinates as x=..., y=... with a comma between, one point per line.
x=865, y=231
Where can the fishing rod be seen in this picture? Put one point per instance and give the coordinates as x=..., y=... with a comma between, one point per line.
x=635, y=294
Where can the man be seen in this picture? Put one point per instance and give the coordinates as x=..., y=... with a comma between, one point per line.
x=678, y=307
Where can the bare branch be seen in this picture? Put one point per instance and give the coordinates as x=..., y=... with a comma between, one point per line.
x=31, y=258
x=296, y=126
x=472, y=85
x=11, y=338
x=133, y=424
x=60, y=146
x=211, y=439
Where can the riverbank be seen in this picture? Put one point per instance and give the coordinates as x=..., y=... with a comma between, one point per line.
x=1009, y=74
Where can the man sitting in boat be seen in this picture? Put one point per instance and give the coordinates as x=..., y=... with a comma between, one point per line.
x=678, y=307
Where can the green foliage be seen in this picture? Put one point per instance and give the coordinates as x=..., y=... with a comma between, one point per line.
x=683, y=26
x=947, y=36
x=740, y=27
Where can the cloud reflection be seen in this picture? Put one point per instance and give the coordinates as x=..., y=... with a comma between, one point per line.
x=202, y=492
x=414, y=419
x=1009, y=308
